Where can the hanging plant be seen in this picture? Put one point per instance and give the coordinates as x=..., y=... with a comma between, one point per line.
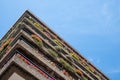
x=83, y=62
x=5, y=44
x=35, y=23
x=84, y=78
x=58, y=48
x=98, y=77
x=66, y=49
x=57, y=42
x=79, y=71
x=91, y=68
x=38, y=26
x=37, y=39
x=75, y=56
x=1, y=49
x=66, y=65
x=87, y=67
x=52, y=53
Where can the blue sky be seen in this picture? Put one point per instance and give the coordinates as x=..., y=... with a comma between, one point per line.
x=92, y=27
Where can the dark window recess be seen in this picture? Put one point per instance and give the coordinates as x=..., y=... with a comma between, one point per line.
x=27, y=15
x=28, y=42
x=63, y=52
x=52, y=43
x=46, y=46
x=28, y=31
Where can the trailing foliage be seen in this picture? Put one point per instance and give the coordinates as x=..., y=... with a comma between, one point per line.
x=36, y=23
x=66, y=65
x=57, y=42
x=83, y=62
x=79, y=71
x=52, y=53
x=89, y=67
x=37, y=39
x=5, y=44
x=58, y=48
x=38, y=26
x=75, y=56
x=84, y=78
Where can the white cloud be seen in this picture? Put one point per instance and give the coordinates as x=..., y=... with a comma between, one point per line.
x=106, y=13
x=94, y=60
x=114, y=71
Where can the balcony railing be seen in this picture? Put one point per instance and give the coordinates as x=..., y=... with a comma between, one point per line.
x=29, y=62
x=52, y=41
x=74, y=56
x=56, y=41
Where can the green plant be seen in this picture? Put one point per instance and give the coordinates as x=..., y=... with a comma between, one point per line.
x=75, y=56
x=66, y=65
x=66, y=50
x=89, y=67
x=83, y=62
x=35, y=23
x=37, y=39
x=1, y=49
x=52, y=53
x=5, y=44
x=57, y=42
x=84, y=78
x=99, y=78
x=79, y=71
x=38, y=26
x=58, y=48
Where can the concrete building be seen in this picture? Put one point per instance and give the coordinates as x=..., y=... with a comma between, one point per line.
x=32, y=51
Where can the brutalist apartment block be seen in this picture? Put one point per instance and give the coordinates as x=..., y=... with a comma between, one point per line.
x=32, y=51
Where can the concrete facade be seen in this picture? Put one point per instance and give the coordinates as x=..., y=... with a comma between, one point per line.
x=32, y=51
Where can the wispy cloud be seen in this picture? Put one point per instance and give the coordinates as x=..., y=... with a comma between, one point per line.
x=105, y=11
x=114, y=71
x=94, y=60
